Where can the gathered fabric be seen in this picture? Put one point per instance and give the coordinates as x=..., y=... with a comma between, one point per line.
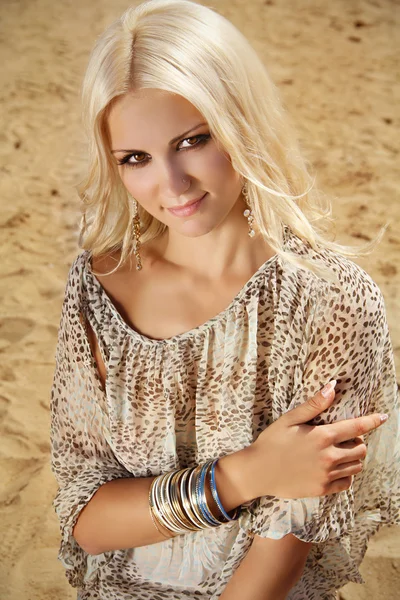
x=174, y=403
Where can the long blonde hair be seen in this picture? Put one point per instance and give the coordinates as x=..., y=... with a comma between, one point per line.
x=188, y=49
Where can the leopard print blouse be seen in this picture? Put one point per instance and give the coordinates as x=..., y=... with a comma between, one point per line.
x=178, y=402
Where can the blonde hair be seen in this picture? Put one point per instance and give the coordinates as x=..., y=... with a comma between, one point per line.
x=188, y=49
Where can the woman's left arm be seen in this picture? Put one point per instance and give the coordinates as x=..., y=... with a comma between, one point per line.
x=269, y=570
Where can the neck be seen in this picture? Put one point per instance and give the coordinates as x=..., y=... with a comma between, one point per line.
x=224, y=251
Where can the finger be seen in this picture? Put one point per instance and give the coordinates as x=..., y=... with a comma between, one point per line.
x=346, y=470
x=339, y=485
x=350, y=428
x=356, y=443
x=347, y=456
x=313, y=407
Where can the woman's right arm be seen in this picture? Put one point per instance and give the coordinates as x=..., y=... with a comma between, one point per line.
x=117, y=516
x=289, y=459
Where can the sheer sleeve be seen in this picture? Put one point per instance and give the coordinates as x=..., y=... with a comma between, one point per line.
x=82, y=459
x=347, y=339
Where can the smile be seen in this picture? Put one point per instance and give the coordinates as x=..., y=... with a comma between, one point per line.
x=188, y=209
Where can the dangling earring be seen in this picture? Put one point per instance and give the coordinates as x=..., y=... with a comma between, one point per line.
x=136, y=232
x=248, y=212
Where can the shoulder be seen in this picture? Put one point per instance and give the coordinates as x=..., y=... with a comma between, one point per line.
x=78, y=264
x=355, y=299
x=105, y=263
x=76, y=273
x=350, y=285
x=352, y=297
x=74, y=287
x=351, y=279
x=86, y=264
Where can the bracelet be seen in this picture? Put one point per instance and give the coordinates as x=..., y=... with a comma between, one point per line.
x=153, y=517
x=174, y=523
x=216, y=497
x=194, y=497
x=201, y=491
x=166, y=513
x=186, y=499
x=178, y=501
x=175, y=504
x=184, y=503
x=161, y=507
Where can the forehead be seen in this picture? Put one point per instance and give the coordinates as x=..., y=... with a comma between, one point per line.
x=149, y=117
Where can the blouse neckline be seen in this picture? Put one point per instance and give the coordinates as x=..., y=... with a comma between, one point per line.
x=186, y=334
x=191, y=333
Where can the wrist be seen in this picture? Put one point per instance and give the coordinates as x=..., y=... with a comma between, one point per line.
x=234, y=479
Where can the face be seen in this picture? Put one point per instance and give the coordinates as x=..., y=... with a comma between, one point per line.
x=167, y=158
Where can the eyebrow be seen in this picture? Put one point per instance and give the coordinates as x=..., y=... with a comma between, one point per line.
x=178, y=137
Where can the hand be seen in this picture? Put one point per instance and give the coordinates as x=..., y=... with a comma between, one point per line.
x=291, y=459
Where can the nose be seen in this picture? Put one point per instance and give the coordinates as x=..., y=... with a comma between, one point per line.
x=173, y=181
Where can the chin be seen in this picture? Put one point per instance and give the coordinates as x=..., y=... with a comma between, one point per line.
x=192, y=229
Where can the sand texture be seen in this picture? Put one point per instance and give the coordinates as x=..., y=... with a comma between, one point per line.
x=336, y=64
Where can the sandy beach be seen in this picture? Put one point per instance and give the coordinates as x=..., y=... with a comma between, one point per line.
x=336, y=65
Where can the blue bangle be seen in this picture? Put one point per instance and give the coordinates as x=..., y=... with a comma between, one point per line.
x=201, y=497
x=216, y=498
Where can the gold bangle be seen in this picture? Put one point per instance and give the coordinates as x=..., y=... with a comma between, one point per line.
x=153, y=517
x=176, y=505
x=166, y=505
x=184, y=503
x=186, y=499
x=161, y=506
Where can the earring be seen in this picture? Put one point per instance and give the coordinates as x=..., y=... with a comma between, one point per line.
x=136, y=233
x=248, y=213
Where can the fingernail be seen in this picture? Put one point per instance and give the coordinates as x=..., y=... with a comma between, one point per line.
x=326, y=390
x=384, y=418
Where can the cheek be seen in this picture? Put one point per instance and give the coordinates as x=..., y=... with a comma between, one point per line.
x=138, y=185
x=220, y=171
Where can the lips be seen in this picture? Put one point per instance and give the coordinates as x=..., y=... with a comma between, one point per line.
x=187, y=203
x=187, y=209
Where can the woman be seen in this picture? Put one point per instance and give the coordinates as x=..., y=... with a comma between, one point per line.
x=199, y=324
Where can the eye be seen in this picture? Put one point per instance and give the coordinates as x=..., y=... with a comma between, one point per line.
x=136, y=163
x=195, y=140
x=141, y=158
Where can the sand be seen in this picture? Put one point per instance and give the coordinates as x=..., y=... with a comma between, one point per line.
x=335, y=64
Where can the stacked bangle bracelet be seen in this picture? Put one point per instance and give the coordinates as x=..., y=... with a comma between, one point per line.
x=178, y=501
